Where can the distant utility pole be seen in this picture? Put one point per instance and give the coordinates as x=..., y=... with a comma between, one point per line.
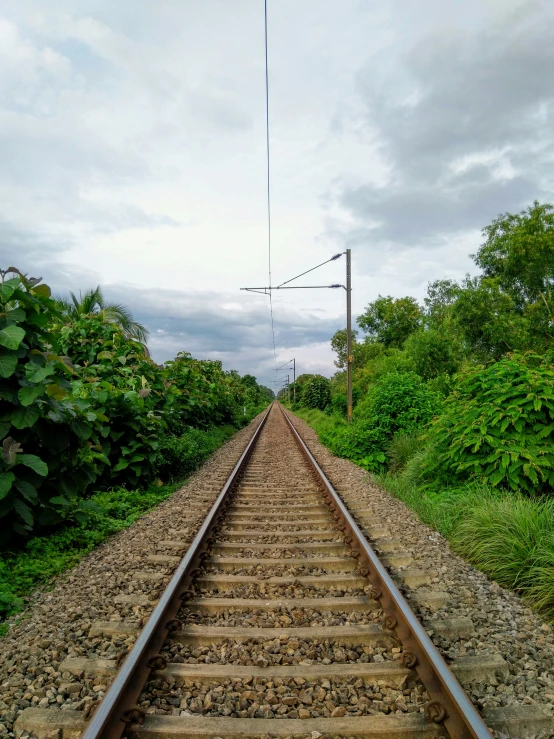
x=348, y=289
x=284, y=367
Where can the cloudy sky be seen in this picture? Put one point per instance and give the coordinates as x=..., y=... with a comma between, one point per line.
x=132, y=154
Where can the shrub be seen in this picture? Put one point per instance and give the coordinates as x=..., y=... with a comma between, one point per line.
x=498, y=426
x=432, y=353
x=45, y=467
x=123, y=394
x=317, y=393
x=398, y=402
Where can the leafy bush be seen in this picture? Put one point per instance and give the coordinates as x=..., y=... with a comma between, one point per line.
x=498, y=426
x=362, y=442
x=83, y=404
x=123, y=394
x=433, y=353
x=44, y=467
x=317, y=393
x=398, y=402
x=46, y=556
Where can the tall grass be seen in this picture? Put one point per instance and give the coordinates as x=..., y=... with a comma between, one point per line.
x=508, y=536
x=401, y=449
x=321, y=423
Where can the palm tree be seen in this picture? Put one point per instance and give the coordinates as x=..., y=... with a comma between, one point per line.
x=93, y=302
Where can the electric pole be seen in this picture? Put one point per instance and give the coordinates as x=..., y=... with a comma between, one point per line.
x=284, y=367
x=349, y=336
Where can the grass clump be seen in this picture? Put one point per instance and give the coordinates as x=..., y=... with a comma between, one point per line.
x=506, y=535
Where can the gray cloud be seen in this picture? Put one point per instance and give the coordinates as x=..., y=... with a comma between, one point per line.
x=465, y=126
x=207, y=322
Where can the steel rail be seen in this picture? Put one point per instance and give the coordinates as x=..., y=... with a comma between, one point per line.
x=117, y=708
x=449, y=703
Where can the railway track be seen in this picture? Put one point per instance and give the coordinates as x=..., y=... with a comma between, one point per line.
x=279, y=621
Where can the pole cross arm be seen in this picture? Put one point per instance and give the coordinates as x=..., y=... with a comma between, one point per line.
x=265, y=290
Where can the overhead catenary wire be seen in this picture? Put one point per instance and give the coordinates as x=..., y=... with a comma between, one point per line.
x=268, y=182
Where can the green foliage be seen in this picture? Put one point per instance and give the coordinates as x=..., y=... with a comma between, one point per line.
x=92, y=303
x=519, y=252
x=397, y=403
x=46, y=556
x=339, y=344
x=83, y=404
x=487, y=319
x=432, y=353
x=42, y=459
x=391, y=320
x=381, y=364
x=508, y=536
x=43, y=557
x=402, y=448
x=498, y=426
x=400, y=401
x=122, y=393
x=179, y=455
x=317, y=392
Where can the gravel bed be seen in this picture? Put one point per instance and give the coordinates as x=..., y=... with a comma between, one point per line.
x=239, y=538
x=283, y=518
x=281, y=617
x=266, y=591
x=57, y=621
x=294, y=698
x=503, y=623
x=279, y=553
x=281, y=650
x=276, y=525
x=264, y=571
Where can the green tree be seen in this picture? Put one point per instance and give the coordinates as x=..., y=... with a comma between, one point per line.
x=487, y=318
x=519, y=253
x=93, y=302
x=338, y=345
x=433, y=353
x=441, y=296
x=391, y=320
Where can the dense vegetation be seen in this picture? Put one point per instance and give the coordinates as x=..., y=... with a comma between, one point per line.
x=85, y=410
x=454, y=403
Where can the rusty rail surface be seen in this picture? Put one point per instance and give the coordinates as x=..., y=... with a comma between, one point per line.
x=449, y=705
x=117, y=709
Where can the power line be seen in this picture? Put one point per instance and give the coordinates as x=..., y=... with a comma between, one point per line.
x=268, y=182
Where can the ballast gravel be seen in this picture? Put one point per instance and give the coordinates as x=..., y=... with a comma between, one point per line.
x=279, y=651
x=265, y=590
x=280, y=617
x=281, y=698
